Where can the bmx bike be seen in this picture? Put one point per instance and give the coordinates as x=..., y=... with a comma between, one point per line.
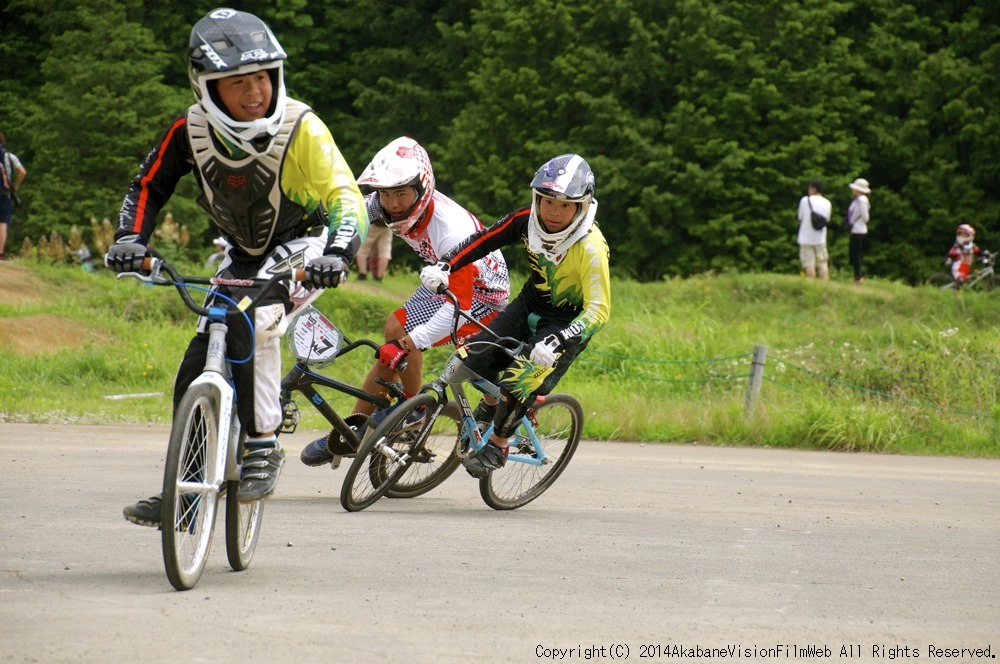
x=317, y=342
x=540, y=449
x=204, y=456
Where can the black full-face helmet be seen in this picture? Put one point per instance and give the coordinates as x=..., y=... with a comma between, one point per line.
x=228, y=42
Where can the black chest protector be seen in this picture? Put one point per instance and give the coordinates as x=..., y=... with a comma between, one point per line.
x=243, y=196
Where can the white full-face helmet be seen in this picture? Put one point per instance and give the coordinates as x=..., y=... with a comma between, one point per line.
x=228, y=42
x=568, y=178
x=402, y=163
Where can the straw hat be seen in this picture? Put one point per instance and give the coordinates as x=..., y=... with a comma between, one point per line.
x=861, y=185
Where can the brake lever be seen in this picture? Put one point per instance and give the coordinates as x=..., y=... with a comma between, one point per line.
x=154, y=276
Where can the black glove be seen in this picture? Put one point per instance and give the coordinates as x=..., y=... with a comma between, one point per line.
x=327, y=271
x=125, y=256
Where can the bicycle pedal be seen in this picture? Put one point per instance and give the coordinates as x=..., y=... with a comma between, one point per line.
x=289, y=416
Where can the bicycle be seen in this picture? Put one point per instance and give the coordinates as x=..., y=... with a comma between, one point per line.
x=204, y=455
x=316, y=343
x=540, y=449
x=984, y=278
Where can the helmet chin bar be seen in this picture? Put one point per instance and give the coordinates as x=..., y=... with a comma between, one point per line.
x=552, y=239
x=256, y=136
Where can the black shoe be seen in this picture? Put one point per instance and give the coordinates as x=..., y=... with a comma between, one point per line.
x=322, y=450
x=261, y=467
x=485, y=460
x=362, y=277
x=148, y=512
x=484, y=413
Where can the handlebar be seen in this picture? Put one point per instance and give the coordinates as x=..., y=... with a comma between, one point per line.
x=513, y=347
x=160, y=273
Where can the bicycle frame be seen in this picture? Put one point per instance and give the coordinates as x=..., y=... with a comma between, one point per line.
x=454, y=376
x=216, y=372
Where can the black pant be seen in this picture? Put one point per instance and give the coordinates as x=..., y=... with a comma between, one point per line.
x=518, y=322
x=239, y=345
x=857, y=250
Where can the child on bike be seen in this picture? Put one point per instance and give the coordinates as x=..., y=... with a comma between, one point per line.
x=403, y=195
x=282, y=195
x=963, y=253
x=566, y=300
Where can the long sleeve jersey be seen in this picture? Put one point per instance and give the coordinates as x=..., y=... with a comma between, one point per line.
x=258, y=202
x=444, y=225
x=576, y=291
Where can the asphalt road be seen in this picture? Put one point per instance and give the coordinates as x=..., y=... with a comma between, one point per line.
x=638, y=552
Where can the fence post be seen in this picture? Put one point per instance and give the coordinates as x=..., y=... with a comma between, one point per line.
x=756, y=377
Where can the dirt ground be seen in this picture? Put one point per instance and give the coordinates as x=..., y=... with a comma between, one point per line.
x=35, y=334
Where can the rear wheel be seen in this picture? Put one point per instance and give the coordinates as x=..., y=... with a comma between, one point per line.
x=242, y=524
x=558, y=423
x=386, y=454
x=190, y=496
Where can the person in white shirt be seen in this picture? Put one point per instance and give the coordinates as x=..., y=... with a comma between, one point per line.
x=858, y=215
x=813, y=253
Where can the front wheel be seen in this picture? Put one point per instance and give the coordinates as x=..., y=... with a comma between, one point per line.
x=557, y=422
x=242, y=524
x=387, y=453
x=433, y=463
x=190, y=497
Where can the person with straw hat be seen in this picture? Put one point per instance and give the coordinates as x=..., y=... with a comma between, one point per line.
x=857, y=221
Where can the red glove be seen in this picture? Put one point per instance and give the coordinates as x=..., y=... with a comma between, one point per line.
x=391, y=354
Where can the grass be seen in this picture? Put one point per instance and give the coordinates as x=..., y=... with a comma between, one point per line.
x=880, y=368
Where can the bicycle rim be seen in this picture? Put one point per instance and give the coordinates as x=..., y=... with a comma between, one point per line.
x=560, y=422
x=242, y=527
x=433, y=463
x=378, y=463
x=190, y=501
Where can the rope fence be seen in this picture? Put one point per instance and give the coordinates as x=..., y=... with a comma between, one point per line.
x=754, y=378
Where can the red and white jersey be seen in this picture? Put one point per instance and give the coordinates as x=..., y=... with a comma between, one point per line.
x=485, y=282
x=445, y=225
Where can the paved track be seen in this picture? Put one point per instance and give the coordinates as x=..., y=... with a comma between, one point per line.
x=635, y=546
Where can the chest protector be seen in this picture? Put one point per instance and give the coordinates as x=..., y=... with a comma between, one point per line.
x=243, y=196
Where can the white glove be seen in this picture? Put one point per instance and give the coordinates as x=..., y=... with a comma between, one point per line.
x=546, y=352
x=435, y=277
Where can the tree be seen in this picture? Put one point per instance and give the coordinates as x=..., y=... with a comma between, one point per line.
x=93, y=119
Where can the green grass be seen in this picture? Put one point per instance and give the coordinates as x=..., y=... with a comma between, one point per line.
x=881, y=368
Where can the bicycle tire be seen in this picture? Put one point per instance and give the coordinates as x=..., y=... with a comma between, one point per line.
x=373, y=472
x=991, y=281
x=243, y=522
x=560, y=424
x=436, y=462
x=190, y=504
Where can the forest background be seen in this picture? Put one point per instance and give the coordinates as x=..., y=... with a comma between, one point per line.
x=703, y=120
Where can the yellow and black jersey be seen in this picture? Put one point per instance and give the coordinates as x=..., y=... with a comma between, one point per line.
x=575, y=291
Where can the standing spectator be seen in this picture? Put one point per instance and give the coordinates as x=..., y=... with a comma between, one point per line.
x=12, y=174
x=219, y=254
x=857, y=221
x=376, y=250
x=812, y=243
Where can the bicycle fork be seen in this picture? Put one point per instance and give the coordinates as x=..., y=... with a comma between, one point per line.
x=226, y=464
